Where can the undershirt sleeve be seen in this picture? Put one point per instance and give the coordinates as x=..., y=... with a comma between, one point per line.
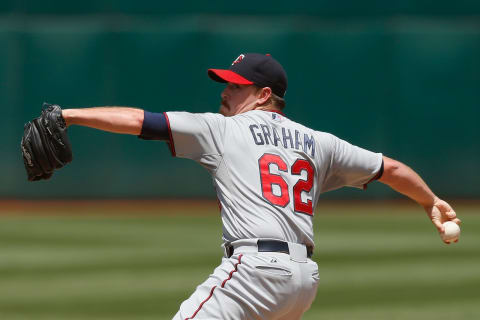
x=155, y=127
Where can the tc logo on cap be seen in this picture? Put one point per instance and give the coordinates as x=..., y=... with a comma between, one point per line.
x=240, y=58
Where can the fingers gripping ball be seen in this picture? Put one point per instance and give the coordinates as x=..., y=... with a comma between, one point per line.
x=452, y=231
x=45, y=144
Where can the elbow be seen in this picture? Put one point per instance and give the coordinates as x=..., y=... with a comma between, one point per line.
x=390, y=170
x=135, y=122
x=139, y=122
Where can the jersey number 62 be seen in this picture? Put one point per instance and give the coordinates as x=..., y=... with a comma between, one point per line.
x=269, y=179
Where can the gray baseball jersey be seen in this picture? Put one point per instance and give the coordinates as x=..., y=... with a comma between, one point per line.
x=269, y=171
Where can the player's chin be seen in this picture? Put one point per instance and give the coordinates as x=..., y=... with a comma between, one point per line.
x=224, y=111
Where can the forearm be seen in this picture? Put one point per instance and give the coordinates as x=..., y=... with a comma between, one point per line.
x=404, y=180
x=124, y=120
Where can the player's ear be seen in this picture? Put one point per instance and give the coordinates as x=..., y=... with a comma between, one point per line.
x=264, y=95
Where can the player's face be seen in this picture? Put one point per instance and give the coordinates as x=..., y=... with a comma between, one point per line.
x=237, y=98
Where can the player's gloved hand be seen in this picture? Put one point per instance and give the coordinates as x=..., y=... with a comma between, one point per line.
x=45, y=144
x=441, y=212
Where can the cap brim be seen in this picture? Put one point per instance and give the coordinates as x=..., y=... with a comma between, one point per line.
x=222, y=75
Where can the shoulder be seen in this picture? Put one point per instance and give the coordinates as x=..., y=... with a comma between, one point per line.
x=195, y=117
x=191, y=114
x=261, y=115
x=195, y=123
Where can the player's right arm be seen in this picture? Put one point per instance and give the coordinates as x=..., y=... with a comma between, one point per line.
x=404, y=180
x=353, y=166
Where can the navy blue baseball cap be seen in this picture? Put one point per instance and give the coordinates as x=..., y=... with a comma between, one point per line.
x=254, y=68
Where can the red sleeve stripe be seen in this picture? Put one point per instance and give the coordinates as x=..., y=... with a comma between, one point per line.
x=170, y=143
x=213, y=289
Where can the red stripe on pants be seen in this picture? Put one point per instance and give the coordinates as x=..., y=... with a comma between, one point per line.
x=213, y=289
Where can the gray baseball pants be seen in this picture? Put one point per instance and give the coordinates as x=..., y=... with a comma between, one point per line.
x=255, y=285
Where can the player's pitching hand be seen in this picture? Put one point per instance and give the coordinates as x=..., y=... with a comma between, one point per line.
x=439, y=213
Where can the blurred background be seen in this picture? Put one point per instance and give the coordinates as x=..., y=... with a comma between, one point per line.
x=397, y=77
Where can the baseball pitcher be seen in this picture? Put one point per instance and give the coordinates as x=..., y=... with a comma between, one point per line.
x=268, y=172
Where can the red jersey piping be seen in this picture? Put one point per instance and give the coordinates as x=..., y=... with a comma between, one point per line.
x=170, y=143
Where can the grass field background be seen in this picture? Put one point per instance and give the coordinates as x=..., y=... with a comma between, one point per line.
x=141, y=260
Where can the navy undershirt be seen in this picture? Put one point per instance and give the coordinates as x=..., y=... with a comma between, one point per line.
x=380, y=172
x=155, y=127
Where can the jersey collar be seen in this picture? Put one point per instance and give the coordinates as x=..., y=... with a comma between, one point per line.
x=276, y=111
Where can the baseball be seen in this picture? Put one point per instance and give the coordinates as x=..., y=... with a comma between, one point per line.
x=452, y=231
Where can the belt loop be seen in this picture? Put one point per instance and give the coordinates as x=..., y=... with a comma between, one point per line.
x=228, y=250
x=298, y=252
x=309, y=251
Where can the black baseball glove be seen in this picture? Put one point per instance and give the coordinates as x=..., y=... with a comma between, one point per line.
x=45, y=144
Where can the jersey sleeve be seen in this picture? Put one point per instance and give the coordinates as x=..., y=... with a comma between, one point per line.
x=350, y=165
x=197, y=136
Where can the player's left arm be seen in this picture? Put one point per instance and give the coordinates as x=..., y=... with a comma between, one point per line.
x=124, y=120
x=404, y=180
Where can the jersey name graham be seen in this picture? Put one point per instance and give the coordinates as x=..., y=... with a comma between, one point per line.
x=263, y=134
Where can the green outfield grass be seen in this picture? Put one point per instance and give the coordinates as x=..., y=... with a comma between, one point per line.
x=376, y=262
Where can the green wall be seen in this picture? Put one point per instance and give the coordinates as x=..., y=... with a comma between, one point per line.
x=401, y=78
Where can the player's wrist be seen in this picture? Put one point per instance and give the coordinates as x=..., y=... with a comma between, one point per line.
x=67, y=115
x=429, y=201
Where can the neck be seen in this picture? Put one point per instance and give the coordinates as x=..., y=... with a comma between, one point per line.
x=267, y=108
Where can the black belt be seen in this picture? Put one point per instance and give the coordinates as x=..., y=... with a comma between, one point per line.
x=269, y=246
